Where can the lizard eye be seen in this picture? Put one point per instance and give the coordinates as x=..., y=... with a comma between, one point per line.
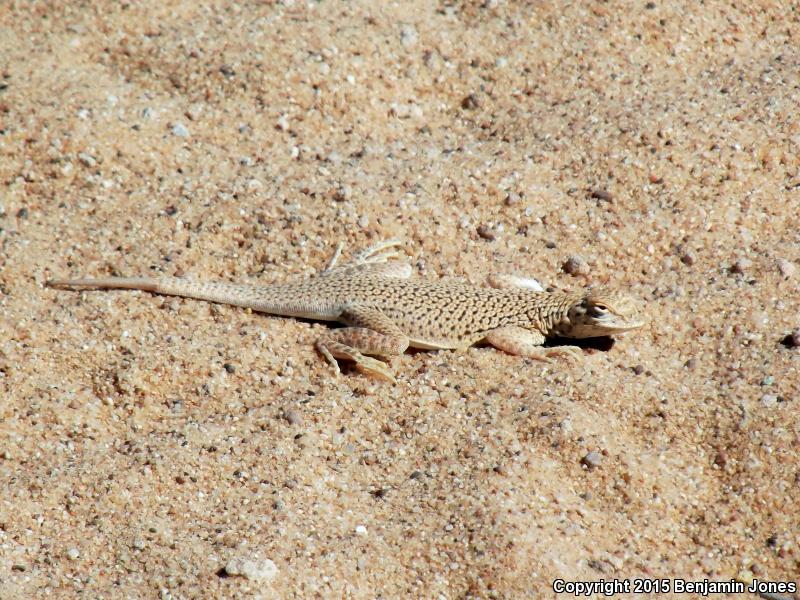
x=598, y=310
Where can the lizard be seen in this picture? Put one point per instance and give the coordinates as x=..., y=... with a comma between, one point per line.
x=385, y=310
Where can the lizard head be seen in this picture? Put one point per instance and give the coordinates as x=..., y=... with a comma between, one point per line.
x=600, y=313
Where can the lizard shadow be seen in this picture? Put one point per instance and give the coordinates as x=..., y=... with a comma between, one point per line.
x=602, y=343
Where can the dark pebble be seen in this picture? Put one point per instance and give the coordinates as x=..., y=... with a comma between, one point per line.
x=293, y=417
x=486, y=232
x=740, y=266
x=603, y=195
x=792, y=340
x=576, y=265
x=470, y=102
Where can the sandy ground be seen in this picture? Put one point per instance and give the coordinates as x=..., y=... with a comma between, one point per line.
x=149, y=443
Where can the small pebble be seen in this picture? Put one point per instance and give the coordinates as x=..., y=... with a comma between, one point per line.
x=638, y=369
x=229, y=368
x=293, y=417
x=688, y=259
x=740, y=266
x=603, y=195
x=486, y=232
x=786, y=268
x=194, y=112
x=691, y=364
x=86, y=160
x=769, y=400
x=73, y=554
x=179, y=129
x=361, y=530
x=342, y=193
x=592, y=460
x=721, y=459
x=470, y=102
x=254, y=570
x=576, y=265
x=408, y=35
x=511, y=199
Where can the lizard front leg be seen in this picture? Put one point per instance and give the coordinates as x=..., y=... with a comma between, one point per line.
x=528, y=342
x=369, y=331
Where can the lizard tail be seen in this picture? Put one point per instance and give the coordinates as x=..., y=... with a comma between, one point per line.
x=276, y=299
x=147, y=284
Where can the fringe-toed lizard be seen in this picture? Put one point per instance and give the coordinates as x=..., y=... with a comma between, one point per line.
x=386, y=311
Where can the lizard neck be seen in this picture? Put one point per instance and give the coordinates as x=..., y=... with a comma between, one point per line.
x=551, y=317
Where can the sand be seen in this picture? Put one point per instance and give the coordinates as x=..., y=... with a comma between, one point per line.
x=156, y=447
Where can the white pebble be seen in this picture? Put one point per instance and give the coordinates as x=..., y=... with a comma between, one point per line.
x=769, y=400
x=361, y=530
x=73, y=554
x=592, y=460
x=786, y=268
x=254, y=570
x=408, y=35
x=86, y=159
x=179, y=129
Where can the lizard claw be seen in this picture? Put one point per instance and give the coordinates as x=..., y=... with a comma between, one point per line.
x=375, y=368
x=571, y=353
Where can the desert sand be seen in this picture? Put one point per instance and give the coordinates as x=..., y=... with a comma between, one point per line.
x=155, y=447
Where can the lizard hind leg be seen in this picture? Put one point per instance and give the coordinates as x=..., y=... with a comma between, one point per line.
x=380, y=253
x=370, y=332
